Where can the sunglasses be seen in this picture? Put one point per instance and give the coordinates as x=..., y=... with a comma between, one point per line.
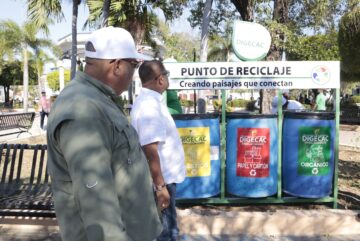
x=134, y=63
x=165, y=73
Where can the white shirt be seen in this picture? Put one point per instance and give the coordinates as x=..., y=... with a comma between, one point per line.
x=292, y=105
x=153, y=122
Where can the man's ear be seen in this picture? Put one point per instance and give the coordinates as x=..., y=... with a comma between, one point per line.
x=116, y=68
x=161, y=80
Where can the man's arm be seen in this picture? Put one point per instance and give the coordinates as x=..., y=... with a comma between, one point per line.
x=162, y=194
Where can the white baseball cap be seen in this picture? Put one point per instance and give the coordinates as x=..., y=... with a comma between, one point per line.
x=112, y=43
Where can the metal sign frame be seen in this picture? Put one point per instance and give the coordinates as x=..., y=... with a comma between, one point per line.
x=302, y=75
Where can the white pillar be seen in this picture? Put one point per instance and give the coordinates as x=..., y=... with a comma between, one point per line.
x=61, y=74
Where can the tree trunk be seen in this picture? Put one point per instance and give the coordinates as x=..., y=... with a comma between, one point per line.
x=204, y=48
x=106, y=12
x=74, y=37
x=281, y=15
x=7, y=93
x=205, y=31
x=245, y=8
x=25, y=79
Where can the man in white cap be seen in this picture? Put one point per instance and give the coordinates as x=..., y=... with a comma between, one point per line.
x=100, y=178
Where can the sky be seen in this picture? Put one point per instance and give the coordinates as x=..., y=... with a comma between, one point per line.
x=57, y=30
x=16, y=11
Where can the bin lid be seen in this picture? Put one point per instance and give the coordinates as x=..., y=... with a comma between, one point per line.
x=195, y=116
x=306, y=114
x=239, y=115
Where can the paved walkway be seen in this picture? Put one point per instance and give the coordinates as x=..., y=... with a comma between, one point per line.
x=210, y=225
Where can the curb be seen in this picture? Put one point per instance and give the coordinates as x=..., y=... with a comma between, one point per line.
x=279, y=223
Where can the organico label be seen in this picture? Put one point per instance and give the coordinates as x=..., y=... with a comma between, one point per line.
x=196, y=143
x=253, y=152
x=314, y=151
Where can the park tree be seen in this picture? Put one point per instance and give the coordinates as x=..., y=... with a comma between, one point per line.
x=137, y=16
x=53, y=79
x=320, y=47
x=181, y=46
x=288, y=22
x=44, y=12
x=11, y=75
x=349, y=39
x=41, y=57
x=24, y=38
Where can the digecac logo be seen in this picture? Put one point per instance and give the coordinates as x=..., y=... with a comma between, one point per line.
x=320, y=75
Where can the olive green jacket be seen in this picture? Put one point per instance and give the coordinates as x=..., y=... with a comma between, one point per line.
x=100, y=177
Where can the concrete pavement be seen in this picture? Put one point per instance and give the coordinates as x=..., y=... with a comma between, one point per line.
x=209, y=225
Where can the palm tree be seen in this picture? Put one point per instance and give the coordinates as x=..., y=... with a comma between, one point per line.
x=6, y=47
x=106, y=13
x=24, y=38
x=42, y=12
x=220, y=46
x=40, y=58
x=137, y=16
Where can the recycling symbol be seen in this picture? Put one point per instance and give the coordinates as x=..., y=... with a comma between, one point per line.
x=252, y=172
x=315, y=171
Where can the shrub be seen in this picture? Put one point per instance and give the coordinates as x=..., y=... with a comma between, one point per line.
x=354, y=99
x=217, y=104
x=186, y=103
x=239, y=103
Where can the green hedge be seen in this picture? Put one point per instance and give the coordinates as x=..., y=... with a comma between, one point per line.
x=354, y=99
x=186, y=103
x=239, y=103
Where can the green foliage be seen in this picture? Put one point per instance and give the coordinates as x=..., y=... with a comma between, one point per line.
x=53, y=79
x=222, y=13
x=349, y=39
x=180, y=46
x=315, y=16
x=239, y=103
x=186, y=103
x=137, y=16
x=120, y=101
x=217, y=104
x=220, y=45
x=355, y=99
x=311, y=48
x=41, y=12
x=12, y=73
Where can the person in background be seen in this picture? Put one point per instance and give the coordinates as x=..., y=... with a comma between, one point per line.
x=100, y=178
x=44, y=108
x=172, y=102
x=287, y=104
x=172, y=99
x=160, y=141
x=320, y=101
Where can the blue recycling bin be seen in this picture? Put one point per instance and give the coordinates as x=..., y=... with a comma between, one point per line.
x=200, y=135
x=308, y=153
x=251, y=155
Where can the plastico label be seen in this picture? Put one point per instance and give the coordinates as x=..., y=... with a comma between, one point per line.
x=253, y=152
